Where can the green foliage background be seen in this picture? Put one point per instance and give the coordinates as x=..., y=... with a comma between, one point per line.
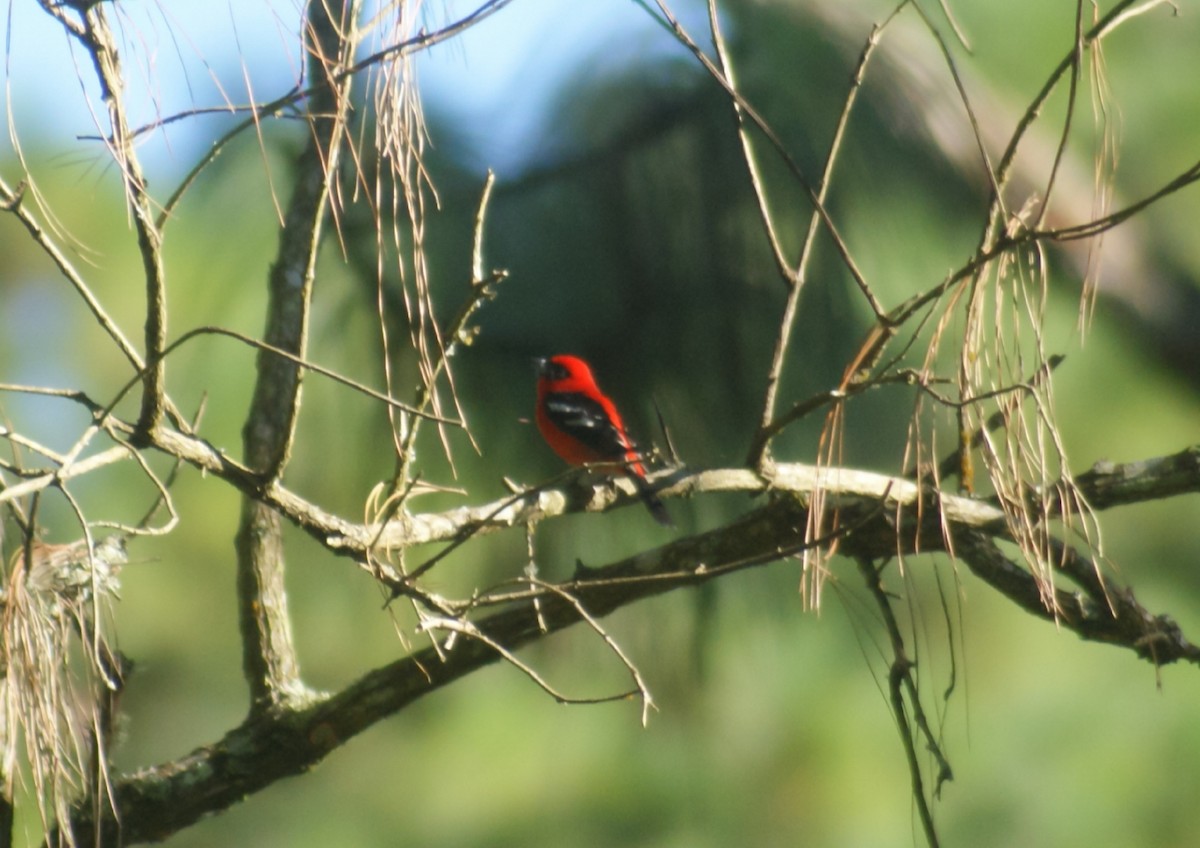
x=631, y=239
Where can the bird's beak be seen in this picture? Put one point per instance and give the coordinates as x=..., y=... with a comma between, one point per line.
x=539, y=364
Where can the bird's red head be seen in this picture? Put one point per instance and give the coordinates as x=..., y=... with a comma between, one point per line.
x=563, y=371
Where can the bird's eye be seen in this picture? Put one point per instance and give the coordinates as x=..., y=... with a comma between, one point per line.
x=558, y=372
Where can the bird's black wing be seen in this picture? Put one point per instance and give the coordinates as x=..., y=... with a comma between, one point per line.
x=587, y=421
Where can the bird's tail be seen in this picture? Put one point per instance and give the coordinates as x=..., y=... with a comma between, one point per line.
x=653, y=503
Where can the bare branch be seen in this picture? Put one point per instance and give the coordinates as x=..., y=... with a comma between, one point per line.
x=1115, y=617
x=275, y=744
x=98, y=39
x=900, y=683
x=269, y=656
x=59, y=476
x=750, y=113
x=767, y=427
x=1110, y=484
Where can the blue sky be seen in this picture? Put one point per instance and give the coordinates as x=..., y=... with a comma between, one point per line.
x=496, y=80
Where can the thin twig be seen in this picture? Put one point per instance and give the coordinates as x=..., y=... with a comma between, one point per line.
x=900, y=680
x=305, y=365
x=100, y=42
x=1065, y=135
x=640, y=687
x=796, y=279
x=724, y=66
x=769, y=133
x=466, y=628
x=960, y=86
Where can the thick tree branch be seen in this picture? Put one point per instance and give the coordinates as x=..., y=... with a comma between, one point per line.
x=1115, y=618
x=269, y=656
x=1108, y=484
x=285, y=741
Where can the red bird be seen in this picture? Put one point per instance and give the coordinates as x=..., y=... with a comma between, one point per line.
x=582, y=425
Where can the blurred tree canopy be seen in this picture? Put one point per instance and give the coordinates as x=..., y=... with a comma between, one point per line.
x=903, y=296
